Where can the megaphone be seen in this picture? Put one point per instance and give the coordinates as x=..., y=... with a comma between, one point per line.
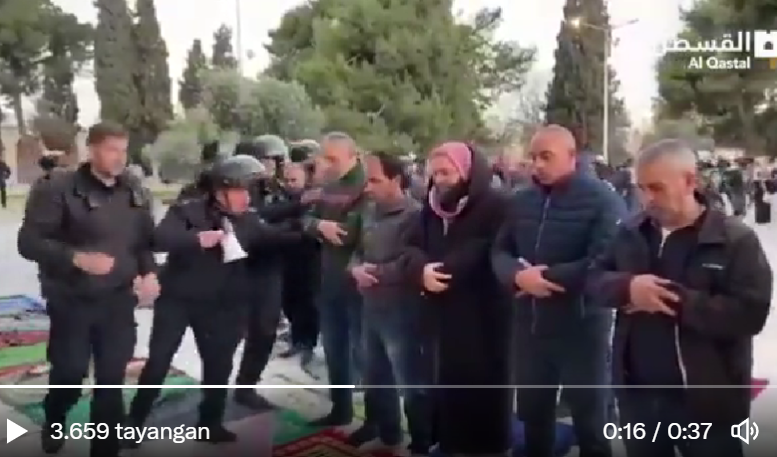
x=230, y=245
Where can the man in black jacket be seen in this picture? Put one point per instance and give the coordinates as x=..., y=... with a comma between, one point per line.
x=691, y=287
x=90, y=232
x=302, y=270
x=203, y=290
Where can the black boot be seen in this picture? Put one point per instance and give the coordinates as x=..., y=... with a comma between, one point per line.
x=306, y=356
x=137, y=424
x=330, y=420
x=217, y=434
x=290, y=352
x=250, y=399
x=50, y=444
x=362, y=435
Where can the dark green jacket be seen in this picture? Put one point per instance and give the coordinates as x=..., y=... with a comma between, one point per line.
x=341, y=201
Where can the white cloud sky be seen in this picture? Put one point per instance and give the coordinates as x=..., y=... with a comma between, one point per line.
x=528, y=21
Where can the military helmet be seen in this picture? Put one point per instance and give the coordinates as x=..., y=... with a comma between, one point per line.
x=271, y=146
x=237, y=171
x=301, y=151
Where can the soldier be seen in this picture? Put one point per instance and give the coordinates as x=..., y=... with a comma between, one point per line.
x=90, y=231
x=203, y=290
x=273, y=205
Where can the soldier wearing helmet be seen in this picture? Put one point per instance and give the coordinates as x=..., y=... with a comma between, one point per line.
x=206, y=290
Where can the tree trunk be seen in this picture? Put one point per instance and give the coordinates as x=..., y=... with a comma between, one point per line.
x=18, y=111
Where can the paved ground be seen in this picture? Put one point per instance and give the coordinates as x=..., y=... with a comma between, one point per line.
x=19, y=277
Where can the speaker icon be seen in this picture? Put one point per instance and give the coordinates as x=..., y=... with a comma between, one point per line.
x=745, y=431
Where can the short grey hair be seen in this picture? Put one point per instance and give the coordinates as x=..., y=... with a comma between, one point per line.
x=678, y=151
x=343, y=139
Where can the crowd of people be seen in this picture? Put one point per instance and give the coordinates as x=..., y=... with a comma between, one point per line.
x=449, y=293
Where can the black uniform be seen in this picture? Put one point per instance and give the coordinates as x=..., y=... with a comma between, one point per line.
x=201, y=291
x=266, y=267
x=90, y=316
x=301, y=278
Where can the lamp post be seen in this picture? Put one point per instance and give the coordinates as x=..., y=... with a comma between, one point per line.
x=579, y=23
x=238, y=37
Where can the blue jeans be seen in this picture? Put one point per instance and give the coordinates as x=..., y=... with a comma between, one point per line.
x=651, y=407
x=339, y=308
x=393, y=357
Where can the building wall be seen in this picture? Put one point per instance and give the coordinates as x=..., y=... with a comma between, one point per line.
x=24, y=161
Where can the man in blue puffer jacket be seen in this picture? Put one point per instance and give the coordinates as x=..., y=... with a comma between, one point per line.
x=557, y=227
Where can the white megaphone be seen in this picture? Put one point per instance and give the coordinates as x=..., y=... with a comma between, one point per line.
x=230, y=245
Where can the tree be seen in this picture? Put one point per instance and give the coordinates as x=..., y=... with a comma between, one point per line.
x=397, y=75
x=152, y=78
x=115, y=65
x=23, y=39
x=281, y=108
x=190, y=87
x=176, y=151
x=725, y=102
x=223, y=89
x=69, y=47
x=576, y=93
x=223, y=55
x=254, y=107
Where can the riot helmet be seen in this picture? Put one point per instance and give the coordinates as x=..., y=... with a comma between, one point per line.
x=240, y=171
x=304, y=150
x=272, y=146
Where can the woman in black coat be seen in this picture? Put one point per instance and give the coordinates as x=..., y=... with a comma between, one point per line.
x=466, y=311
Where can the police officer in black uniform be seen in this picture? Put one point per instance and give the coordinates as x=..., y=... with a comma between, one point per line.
x=90, y=231
x=302, y=269
x=267, y=268
x=202, y=291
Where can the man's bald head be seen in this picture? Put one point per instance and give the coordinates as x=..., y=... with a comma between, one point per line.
x=557, y=134
x=553, y=153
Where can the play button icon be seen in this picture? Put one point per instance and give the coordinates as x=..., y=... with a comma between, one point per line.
x=13, y=431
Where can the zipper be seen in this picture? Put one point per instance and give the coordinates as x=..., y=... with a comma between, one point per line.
x=678, y=351
x=537, y=242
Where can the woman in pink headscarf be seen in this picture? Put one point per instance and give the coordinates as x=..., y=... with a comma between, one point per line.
x=467, y=312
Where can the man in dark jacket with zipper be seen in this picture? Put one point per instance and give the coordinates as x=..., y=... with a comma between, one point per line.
x=90, y=231
x=336, y=221
x=204, y=289
x=691, y=287
x=542, y=255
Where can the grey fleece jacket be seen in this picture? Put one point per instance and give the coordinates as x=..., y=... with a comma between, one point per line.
x=383, y=233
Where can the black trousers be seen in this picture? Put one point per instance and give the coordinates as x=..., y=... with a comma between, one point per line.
x=3, y=196
x=299, y=305
x=264, y=316
x=101, y=330
x=217, y=329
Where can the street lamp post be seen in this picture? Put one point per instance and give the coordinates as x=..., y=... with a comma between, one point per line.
x=578, y=23
x=238, y=37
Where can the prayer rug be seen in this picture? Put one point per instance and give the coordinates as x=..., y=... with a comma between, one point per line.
x=327, y=443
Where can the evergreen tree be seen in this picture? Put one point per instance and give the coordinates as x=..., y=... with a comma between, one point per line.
x=115, y=61
x=223, y=55
x=69, y=48
x=152, y=78
x=190, y=85
x=575, y=95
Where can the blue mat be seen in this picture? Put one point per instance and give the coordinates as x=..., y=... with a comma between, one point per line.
x=565, y=440
x=16, y=304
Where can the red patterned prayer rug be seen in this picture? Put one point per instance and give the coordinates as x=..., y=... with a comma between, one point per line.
x=327, y=443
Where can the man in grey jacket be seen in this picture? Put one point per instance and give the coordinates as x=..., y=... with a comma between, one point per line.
x=391, y=346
